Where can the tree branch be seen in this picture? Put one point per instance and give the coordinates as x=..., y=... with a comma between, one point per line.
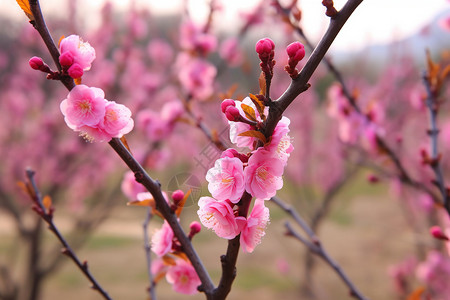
x=432, y=106
x=47, y=216
x=148, y=256
x=315, y=246
x=300, y=83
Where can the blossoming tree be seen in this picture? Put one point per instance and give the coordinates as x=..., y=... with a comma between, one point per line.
x=243, y=178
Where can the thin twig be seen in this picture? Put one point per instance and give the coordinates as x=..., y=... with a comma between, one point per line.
x=148, y=256
x=432, y=106
x=300, y=83
x=47, y=216
x=315, y=246
x=142, y=176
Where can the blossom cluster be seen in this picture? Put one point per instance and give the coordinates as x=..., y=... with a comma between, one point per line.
x=354, y=126
x=76, y=56
x=258, y=173
x=172, y=263
x=85, y=109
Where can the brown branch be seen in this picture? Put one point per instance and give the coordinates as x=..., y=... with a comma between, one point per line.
x=154, y=187
x=141, y=175
x=315, y=246
x=432, y=106
x=300, y=83
x=47, y=216
x=148, y=256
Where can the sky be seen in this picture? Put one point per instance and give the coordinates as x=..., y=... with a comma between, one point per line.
x=373, y=22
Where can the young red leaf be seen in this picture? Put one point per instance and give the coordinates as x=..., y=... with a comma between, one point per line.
x=125, y=143
x=182, y=202
x=249, y=112
x=26, y=188
x=259, y=105
x=47, y=202
x=254, y=133
x=417, y=294
x=262, y=84
x=25, y=6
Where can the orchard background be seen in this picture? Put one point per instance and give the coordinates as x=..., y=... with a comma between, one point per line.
x=361, y=177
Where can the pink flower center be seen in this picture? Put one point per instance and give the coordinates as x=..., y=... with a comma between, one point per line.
x=111, y=116
x=85, y=106
x=262, y=173
x=228, y=180
x=184, y=279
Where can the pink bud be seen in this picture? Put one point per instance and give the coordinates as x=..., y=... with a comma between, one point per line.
x=66, y=59
x=226, y=103
x=36, y=63
x=177, y=196
x=437, y=233
x=232, y=113
x=296, y=51
x=372, y=178
x=75, y=71
x=230, y=152
x=195, y=228
x=264, y=47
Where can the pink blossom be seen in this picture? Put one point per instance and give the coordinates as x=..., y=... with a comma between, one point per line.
x=183, y=278
x=263, y=174
x=82, y=53
x=218, y=216
x=280, y=143
x=435, y=271
x=444, y=23
x=84, y=106
x=160, y=52
x=158, y=267
x=162, y=240
x=115, y=123
x=117, y=120
x=401, y=273
x=237, y=128
x=254, y=228
x=153, y=125
x=192, y=37
x=130, y=187
x=229, y=51
x=197, y=77
x=226, y=179
x=171, y=111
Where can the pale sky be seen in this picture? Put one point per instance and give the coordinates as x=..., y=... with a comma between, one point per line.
x=374, y=21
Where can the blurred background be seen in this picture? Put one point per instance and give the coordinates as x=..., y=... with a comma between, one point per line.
x=373, y=224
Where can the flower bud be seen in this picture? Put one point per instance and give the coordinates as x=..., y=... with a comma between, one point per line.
x=36, y=63
x=66, y=59
x=437, y=233
x=295, y=51
x=230, y=152
x=75, y=71
x=226, y=103
x=195, y=228
x=177, y=196
x=232, y=113
x=264, y=47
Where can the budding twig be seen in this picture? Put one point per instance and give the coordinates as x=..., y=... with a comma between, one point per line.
x=432, y=106
x=148, y=256
x=315, y=246
x=152, y=186
x=47, y=215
